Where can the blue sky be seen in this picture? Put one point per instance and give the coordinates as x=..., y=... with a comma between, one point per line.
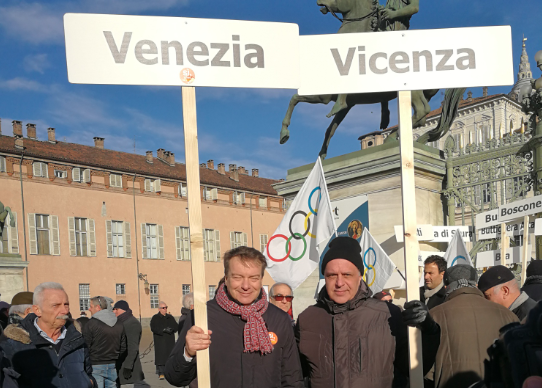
x=238, y=126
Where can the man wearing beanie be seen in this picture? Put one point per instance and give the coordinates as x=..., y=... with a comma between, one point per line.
x=533, y=282
x=349, y=339
x=21, y=306
x=129, y=367
x=499, y=285
x=468, y=326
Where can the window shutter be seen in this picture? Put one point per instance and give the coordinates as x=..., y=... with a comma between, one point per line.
x=86, y=175
x=71, y=233
x=76, y=174
x=242, y=200
x=112, y=180
x=245, y=240
x=157, y=185
x=160, y=241
x=147, y=185
x=32, y=238
x=232, y=240
x=13, y=242
x=127, y=241
x=217, y=245
x=36, y=168
x=187, y=237
x=178, y=242
x=2, y=164
x=205, y=246
x=144, y=241
x=183, y=189
x=92, y=237
x=44, y=170
x=55, y=238
x=109, y=237
x=214, y=194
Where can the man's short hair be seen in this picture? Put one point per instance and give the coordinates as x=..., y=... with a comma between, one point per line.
x=439, y=261
x=188, y=300
x=38, y=291
x=272, y=290
x=246, y=254
x=99, y=301
x=19, y=308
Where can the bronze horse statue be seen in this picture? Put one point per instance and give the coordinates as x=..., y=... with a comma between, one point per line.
x=369, y=16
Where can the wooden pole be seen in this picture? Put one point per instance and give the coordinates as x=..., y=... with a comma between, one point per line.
x=196, y=227
x=504, y=243
x=409, y=227
x=526, y=254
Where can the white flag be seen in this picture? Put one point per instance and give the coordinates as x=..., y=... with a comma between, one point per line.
x=378, y=266
x=457, y=252
x=291, y=252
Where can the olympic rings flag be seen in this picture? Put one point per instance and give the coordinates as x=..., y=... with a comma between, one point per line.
x=291, y=251
x=457, y=252
x=378, y=265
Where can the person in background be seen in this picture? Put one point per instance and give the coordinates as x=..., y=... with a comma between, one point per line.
x=4, y=314
x=21, y=306
x=432, y=293
x=83, y=319
x=188, y=304
x=533, y=282
x=163, y=327
x=281, y=295
x=499, y=285
x=383, y=296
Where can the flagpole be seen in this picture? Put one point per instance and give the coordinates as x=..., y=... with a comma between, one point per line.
x=319, y=161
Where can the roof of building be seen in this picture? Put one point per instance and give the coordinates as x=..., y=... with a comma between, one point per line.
x=70, y=153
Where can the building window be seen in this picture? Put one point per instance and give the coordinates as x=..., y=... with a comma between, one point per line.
x=238, y=239
x=211, y=245
x=115, y=180
x=118, y=238
x=84, y=297
x=262, y=202
x=182, y=190
x=263, y=242
x=186, y=289
x=152, y=246
x=182, y=241
x=152, y=241
x=81, y=236
x=212, y=292
x=153, y=185
x=155, y=297
x=40, y=169
x=120, y=289
x=61, y=174
x=81, y=176
x=2, y=164
x=238, y=198
x=210, y=194
x=42, y=234
x=486, y=193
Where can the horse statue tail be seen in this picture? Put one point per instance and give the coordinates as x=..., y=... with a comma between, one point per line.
x=447, y=117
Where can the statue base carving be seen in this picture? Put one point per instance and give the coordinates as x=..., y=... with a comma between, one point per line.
x=11, y=275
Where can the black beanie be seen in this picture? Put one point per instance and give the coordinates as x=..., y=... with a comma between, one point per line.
x=345, y=248
x=122, y=304
x=533, y=269
x=494, y=276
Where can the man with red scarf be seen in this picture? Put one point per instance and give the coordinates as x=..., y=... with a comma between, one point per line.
x=253, y=344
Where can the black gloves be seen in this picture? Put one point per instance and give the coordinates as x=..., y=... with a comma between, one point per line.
x=127, y=373
x=168, y=330
x=416, y=314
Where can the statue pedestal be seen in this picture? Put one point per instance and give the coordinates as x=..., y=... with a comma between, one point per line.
x=11, y=275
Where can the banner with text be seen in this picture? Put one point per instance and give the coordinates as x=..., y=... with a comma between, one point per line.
x=424, y=232
x=515, y=229
x=492, y=258
x=447, y=233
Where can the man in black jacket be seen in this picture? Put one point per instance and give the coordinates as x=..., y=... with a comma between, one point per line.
x=253, y=341
x=163, y=327
x=433, y=291
x=533, y=282
x=188, y=304
x=105, y=337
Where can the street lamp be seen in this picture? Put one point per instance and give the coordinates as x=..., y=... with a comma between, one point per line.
x=146, y=283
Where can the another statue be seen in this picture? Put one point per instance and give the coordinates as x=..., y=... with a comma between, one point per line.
x=4, y=211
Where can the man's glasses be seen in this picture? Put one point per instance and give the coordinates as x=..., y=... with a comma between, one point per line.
x=160, y=308
x=280, y=297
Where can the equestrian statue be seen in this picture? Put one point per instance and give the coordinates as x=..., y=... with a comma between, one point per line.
x=4, y=211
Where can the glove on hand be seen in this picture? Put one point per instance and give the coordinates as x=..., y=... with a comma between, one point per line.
x=416, y=314
x=127, y=373
x=168, y=330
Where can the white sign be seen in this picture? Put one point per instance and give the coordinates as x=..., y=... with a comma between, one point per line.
x=492, y=258
x=511, y=230
x=154, y=50
x=518, y=209
x=422, y=255
x=406, y=60
x=538, y=227
x=446, y=233
x=423, y=232
x=487, y=219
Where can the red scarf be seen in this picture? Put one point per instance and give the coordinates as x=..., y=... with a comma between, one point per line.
x=256, y=335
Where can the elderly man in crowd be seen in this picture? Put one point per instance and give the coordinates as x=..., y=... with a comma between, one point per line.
x=105, y=337
x=21, y=306
x=188, y=304
x=533, y=282
x=468, y=324
x=129, y=367
x=46, y=349
x=499, y=285
x=163, y=327
x=281, y=295
x=253, y=344
x=432, y=293
x=349, y=339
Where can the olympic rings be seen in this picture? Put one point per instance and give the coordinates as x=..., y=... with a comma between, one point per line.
x=304, y=247
x=288, y=248
x=290, y=225
x=315, y=212
x=369, y=266
x=457, y=258
x=374, y=278
x=365, y=254
x=305, y=225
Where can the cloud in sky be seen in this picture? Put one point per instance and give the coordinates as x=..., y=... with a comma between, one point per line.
x=22, y=84
x=36, y=63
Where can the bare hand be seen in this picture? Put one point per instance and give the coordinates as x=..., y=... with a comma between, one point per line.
x=389, y=14
x=196, y=340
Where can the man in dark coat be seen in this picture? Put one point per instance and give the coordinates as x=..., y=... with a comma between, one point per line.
x=129, y=367
x=46, y=349
x=253, y=344
x=433, y=291
x=533, y=282
x=163, y=327
x=499, y=285
x=188, y=304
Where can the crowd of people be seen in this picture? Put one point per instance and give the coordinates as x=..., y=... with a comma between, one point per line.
x=349, y=338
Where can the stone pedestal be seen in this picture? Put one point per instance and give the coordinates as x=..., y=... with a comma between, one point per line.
x=376, y=172
x=11, y=275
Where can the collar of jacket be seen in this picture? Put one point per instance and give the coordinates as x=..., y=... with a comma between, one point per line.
x=185, y=311
x=465, y=291
x=332, y=307
x=534, y=279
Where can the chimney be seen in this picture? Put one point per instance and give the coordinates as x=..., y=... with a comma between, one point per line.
x=234, y=174
x=221, y=168
x=17, y=128
x=211, y=164
x=160, y=154
x=462, y=97
x=19, y=142
x=203, y=165
x=242, y=170
x=484, y=91
x=469, y=96
x=99, y=142
x=51, y=135
x=148, y=157
x=255, y=173
x=31, y=131
x=170, y=158
x=232, y=167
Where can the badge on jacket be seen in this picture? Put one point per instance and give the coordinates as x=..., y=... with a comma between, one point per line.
x=273, y=337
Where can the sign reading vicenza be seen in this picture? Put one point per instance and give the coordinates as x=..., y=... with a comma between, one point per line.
x=153, y=50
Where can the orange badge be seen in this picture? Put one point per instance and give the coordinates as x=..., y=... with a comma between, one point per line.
x=273, y=337
x=187, y=75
